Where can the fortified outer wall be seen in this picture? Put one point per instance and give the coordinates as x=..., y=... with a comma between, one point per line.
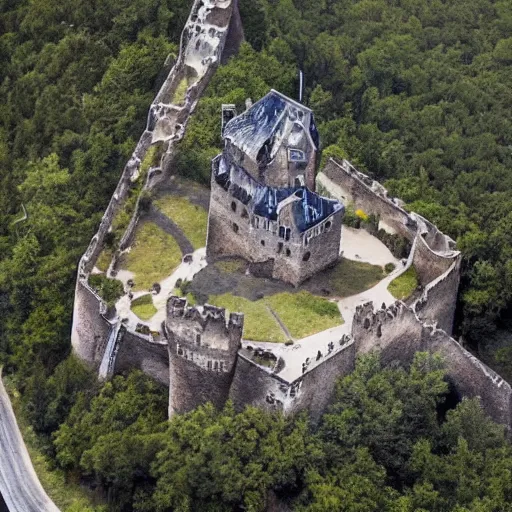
x=166, y=122
x=313, y=391
x=398, y=334
x=345, y=183
x=257, y=386
x=89, y=324
x=234, y=231
x=139, y=352
x=436, y=306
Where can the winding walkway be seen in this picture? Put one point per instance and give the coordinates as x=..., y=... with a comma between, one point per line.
x=19, y=484
x=163, y=222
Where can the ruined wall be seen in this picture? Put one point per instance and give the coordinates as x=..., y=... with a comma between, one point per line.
x=167, y=123
x=346, y=184
x=90, y=329
x=398, y=334
x=436, y=306
x=232, y=231
x=138, y=352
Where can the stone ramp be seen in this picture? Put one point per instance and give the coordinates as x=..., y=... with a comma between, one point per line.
x=19, y=484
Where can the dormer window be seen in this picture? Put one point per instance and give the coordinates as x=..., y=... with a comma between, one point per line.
x=296, y=155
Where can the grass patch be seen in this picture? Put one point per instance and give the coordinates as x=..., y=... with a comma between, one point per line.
x=178, y=98
x=68, y=496
x=190, y=218
x=404, y=285
x=154, y=256
x=110, y=290
x=104, y=259
x=303, y=313
x=259, y=324
x=143, y=307
x=346, y=278
x=231, y=266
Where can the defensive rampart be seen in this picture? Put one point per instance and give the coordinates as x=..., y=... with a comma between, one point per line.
x=201, y=48
x=137, y=351
x=397, y=333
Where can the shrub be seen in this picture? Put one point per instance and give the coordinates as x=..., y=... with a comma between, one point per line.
x=389, y=267
x=110, y=290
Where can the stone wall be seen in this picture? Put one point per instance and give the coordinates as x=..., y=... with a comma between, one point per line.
x=345, y=183
x=88, y=326
x=436, y=306
x=138, y=352
x=257, y=386
x=317, y=386
x=398, y=334
x=90, y=329
x=430, y=265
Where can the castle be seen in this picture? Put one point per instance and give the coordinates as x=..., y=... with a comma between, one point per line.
x=263, y=207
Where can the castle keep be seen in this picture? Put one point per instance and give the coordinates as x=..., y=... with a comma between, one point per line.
x=263, y=208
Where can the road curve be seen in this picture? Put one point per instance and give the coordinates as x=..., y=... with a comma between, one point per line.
x=19, y=484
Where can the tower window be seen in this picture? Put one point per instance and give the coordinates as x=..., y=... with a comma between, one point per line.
x=306, y=256
x=235, y=227
x=233, y=206
x=198, y=339
x=328, y=225
x=279, y=247
x=263, y=243
x=288, y=252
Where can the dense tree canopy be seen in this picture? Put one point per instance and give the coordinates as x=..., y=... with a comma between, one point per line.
x=415, y=93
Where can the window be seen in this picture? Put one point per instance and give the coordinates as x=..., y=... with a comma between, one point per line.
x=287, y=234
x=209, y=365
x=328, y=225
x=279, y=247
x=216, y=366
x=306, y=256
x=263, y=243
x=281, y=231
x=198, y=339
x=288, y=252
x=245, y=215
x=235, y=227
x=296, y=155
x=233, y=206
x=222, y=366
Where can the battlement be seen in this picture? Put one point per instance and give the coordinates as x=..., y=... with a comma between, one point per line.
x=203, y=327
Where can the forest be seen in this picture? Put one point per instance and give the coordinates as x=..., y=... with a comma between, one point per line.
x=416, y=93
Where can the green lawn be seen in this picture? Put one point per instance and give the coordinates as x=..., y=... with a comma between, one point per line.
x=404, y=285
x=259, y=323
x=303, y=313
x=231, y=266
x=345, y=279
x=104, y=259
x=68, y=496
x=190, y=218
x=154, y=255
x=143, y=307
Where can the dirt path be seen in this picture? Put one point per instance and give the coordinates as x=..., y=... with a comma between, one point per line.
x=19, y=484
x=163, y=222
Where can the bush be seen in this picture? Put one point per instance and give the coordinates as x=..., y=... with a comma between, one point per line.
x=389, y=267
x=110, y=290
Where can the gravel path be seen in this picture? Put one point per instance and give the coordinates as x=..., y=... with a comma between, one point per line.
x=19, y=484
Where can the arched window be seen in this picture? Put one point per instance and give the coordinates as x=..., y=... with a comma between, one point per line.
x=306, y=256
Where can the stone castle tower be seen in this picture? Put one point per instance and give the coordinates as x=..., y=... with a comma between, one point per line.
x=263, y=206
x=202, y=354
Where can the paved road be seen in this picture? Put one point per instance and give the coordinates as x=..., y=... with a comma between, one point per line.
x=19, y=484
